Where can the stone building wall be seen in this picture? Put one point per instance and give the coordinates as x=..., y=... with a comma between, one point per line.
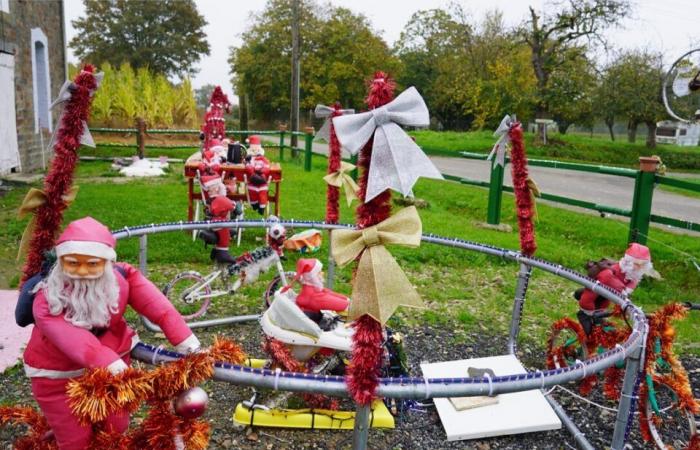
x=19, y=33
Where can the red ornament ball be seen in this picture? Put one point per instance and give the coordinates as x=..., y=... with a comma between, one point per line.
x=191, y=403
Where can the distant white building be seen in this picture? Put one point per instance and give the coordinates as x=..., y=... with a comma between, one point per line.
x=679, y=133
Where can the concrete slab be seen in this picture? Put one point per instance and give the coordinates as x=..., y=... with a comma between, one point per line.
x=13, y=338
x=519, y=412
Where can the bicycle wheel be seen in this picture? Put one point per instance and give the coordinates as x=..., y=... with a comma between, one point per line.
x=670, y=426
x=185, y=292
x=273, y=286
x=565, y=345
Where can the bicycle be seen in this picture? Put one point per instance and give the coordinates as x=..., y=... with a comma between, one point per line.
x=667, y=408
x=192, y=293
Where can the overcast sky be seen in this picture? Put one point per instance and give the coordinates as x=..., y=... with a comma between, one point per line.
x=669, y=26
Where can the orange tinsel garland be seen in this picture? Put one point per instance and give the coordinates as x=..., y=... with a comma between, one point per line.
x=98, y=393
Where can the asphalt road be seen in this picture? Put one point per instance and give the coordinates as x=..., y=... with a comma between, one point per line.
x=609, y=190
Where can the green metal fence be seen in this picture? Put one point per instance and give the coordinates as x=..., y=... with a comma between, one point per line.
x=646, y=179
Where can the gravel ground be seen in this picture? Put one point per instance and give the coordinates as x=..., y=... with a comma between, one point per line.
x=418, y=430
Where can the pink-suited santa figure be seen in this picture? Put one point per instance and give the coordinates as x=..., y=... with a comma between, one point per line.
x=257, y=171
x=313, y=296
x=79, y=324
x=624, y=276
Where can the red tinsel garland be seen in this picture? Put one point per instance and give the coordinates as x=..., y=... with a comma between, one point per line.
x=60, y=176
x=363, y=373
x=523, y=199
x=281, y=355
x=334, y=157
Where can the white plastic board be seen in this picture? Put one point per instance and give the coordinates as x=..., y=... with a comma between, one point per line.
x=519, y=412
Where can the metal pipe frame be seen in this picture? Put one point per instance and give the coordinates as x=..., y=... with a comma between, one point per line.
x=422, y=388
x=518, y=304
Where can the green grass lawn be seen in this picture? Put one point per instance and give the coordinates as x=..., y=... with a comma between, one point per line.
x=462, y=290
x=563, y=147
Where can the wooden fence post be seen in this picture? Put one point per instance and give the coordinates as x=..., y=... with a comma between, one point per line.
x=643, y=195
x=140, y=137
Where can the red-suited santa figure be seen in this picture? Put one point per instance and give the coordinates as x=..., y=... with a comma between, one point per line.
x=257, y=171
x=79, y=324
x=212, y=157
x=220, y=209
x=313, y=297
x=622, y=276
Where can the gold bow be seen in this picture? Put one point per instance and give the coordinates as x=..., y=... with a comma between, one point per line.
x=534, y=192
x=380, y=285
x=34, y=200
x=341, y=178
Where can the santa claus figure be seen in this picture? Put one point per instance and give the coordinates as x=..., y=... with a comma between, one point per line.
x=213, y=186
x=220, y=210
x=276, y=236
x=212, y=157
x=257, y=172
x=313, y=297
x=79, y=324
x=622, y=276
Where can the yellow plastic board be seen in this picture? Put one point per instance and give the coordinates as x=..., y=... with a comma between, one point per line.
x=323, y=419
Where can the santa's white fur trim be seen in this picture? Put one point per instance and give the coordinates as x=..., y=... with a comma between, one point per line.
x=89, y=248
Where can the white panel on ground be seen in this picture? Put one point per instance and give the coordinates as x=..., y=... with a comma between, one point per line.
x=9, y=153
x=519, y=412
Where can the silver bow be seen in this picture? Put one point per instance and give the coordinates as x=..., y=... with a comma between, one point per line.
x=65, y=94
x=499, y=149
x=397, y=162
x=324, y=112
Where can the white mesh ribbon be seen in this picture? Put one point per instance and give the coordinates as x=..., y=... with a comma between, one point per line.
x=324, y=112
x=499, y=149
x=397, y=162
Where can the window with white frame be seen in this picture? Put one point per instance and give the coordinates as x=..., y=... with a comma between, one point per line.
x=41, y=80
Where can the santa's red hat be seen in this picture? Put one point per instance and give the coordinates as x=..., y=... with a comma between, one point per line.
x=305, y=266
x=639, y=251
x=89, y=237
x=254, y=140
x=221, y=205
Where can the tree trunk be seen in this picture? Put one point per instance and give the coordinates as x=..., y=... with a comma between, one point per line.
x=632, y=131
x=243, y=111
x=610, y=124
x=140, y=137
x=651, y=134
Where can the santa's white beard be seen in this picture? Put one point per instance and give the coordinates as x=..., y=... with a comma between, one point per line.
x=627, y=267
x=313, y=279
x=87, y=303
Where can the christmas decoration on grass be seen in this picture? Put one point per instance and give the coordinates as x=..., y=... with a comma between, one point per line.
x=98, y=393
x=521, y=189
x=214, y=126
x=389, y=159
x=335, y=164
x=70, y=133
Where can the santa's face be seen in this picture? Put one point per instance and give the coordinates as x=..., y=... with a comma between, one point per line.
x=634, y=269
x=84, y=289
x=85, y=267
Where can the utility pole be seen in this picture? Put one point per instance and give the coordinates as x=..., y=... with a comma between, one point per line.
x=294, y=119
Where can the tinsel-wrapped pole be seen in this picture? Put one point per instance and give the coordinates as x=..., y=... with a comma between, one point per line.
x=334, y=158
x=363, y=373
x=524, y=205
x=59, y=179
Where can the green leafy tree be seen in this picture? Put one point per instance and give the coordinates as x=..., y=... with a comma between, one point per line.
x=470, y=74
x=555, y=37
x=166, y=36
x=339, y=51
x=571, y=93
x=637, y=76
